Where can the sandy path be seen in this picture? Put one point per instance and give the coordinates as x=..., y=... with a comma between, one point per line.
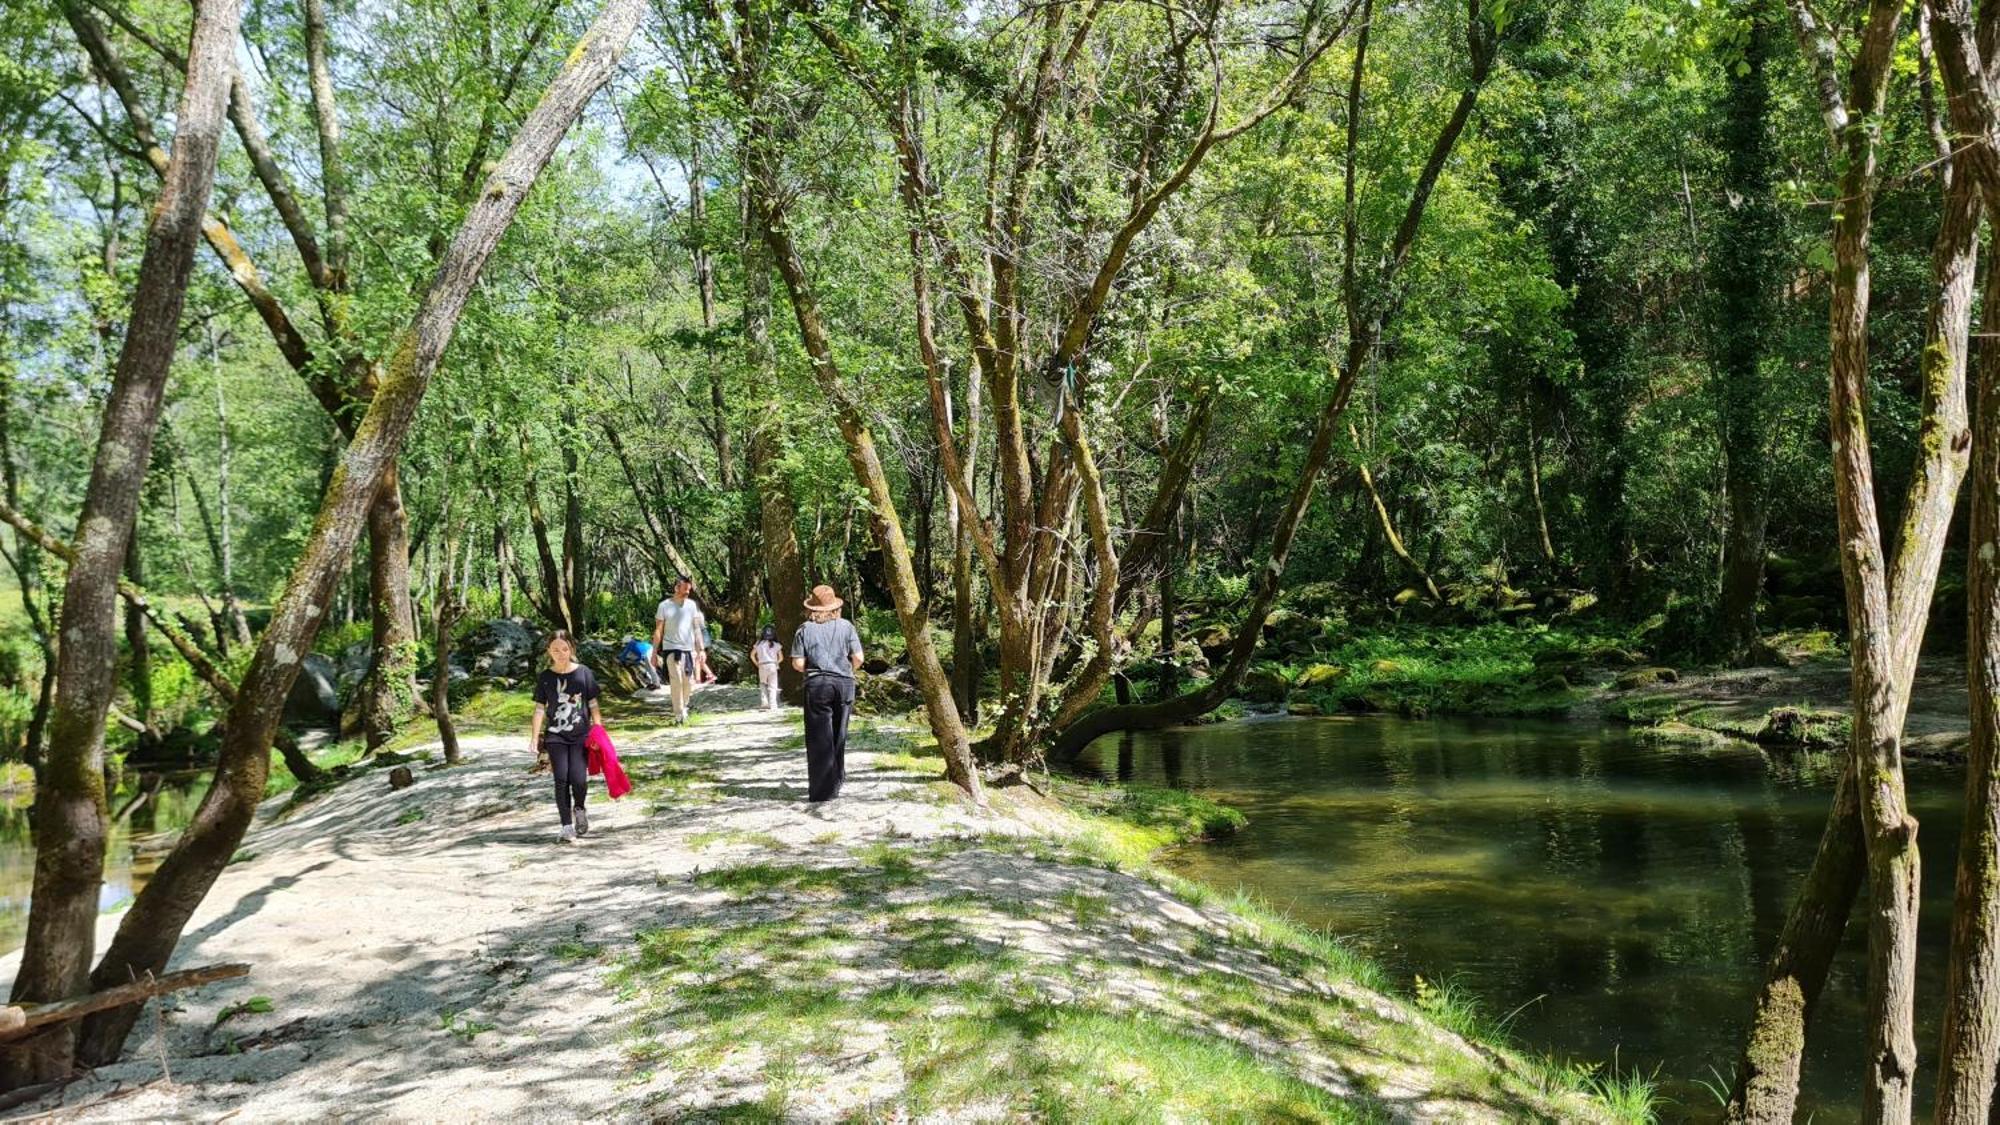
x=457, y=964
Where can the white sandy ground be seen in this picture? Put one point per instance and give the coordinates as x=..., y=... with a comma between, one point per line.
x=368, y=937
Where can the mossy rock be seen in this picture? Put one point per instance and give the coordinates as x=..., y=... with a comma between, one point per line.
x=1646, y=677
x=1215, y=640
x=1304, y=709
x=1319, y=676
x=1384, y=668
x=1805, y=728
x=1264, y=685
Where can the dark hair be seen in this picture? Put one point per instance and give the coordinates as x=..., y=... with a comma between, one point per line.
x=560, y=635
x=770, y=633
x=680, y=578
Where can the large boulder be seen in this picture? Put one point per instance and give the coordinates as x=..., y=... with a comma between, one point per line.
x=887, y=694
x=314, y=700
x=500, y=647
x=728, y=662
x=352, y=667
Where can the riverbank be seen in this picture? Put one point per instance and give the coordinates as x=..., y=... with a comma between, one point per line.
x=715, y=949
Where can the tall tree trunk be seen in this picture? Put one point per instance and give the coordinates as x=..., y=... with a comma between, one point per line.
x=575, y=561
x=1768, y=1072
x=503, y=560
x=1744, y=265
x=556, y=606
x=448, y=605
x=868, y=472
x=69, y=799
x=965, y=661
x=1547, y=544
x=391, y=692
x=778, y=520
x=150, y=930
x=1970, y=1044
x=139, y=666
x=232, y=609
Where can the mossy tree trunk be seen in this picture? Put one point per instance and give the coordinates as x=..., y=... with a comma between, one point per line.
x=1869, y=827
x=1744, y=265
x=69, y=800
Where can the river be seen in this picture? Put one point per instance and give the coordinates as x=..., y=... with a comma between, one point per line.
x=1616, y=895
x=137, y=845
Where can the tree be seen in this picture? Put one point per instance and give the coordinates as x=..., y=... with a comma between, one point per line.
x=69, y=803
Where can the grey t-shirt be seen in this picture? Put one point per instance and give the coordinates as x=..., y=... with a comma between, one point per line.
x=826, y=646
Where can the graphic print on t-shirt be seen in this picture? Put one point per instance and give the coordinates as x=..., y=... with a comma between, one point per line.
x=568, y=714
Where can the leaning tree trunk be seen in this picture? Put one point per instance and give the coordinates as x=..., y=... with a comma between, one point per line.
x=69, y=801
x=151, y=929
x=862, y=457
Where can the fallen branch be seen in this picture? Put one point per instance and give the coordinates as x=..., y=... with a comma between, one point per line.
x=17, y=1021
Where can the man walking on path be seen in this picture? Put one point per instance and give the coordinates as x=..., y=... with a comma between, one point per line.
x=678, y=636
x=828, y=650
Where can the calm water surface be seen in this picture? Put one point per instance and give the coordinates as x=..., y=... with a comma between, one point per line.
x=1618, y=896
x=136, y=848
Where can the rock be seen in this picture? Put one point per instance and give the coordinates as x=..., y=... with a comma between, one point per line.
x=1646, y=677
x=886, y=695
x=1557, y=656
x=875, y=666
x=1288, y=629
x=1303, y=709
x=352, y=667
x=314, y=700
x=727, y=662
x=1263, y=685
x=1406, y=595
x=1319, y=676
x=401, y=778
x=1215, y=640
x=1384, y=668
x=502, y=646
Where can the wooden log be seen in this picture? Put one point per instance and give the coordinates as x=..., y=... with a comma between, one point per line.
x=18, y=1020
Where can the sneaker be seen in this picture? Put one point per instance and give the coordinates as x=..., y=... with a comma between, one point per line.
x=582, y=822
x=566, y=836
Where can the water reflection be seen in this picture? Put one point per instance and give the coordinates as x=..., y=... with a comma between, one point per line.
x=137, y=844
x=1619, y=897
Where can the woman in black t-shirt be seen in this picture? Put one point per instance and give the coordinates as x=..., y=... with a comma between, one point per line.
x=565, y=710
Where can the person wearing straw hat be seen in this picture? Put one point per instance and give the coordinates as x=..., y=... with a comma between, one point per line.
x=828, y=650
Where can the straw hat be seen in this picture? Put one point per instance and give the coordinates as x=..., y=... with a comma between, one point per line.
x=823, y=599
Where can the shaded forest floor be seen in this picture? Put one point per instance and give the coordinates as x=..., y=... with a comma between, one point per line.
x=715, y=949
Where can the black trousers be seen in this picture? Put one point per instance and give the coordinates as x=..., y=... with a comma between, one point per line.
x=571, y=766
x=829, y=701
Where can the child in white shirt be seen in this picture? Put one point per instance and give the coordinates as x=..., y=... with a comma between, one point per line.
x=767, y=653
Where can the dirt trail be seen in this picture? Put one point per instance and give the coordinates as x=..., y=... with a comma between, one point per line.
x=456, y=963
